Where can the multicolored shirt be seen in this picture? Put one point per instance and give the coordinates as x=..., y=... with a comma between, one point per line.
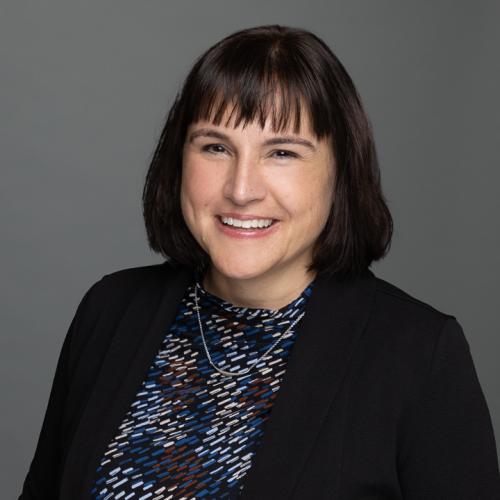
x=191, y=432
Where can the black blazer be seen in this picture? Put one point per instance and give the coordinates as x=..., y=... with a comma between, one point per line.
x=380, y=399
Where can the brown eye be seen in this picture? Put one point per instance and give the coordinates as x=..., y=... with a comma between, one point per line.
x=283, y=153
x=209, y=149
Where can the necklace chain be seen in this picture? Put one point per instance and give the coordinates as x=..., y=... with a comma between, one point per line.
x=246, y=370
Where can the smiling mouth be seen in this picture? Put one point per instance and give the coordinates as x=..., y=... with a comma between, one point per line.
x=240, y=228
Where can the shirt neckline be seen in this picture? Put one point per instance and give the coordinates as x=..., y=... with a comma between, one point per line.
x=260, y=312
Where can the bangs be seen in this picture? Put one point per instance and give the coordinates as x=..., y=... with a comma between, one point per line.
x=270, y=83
x=246, y=104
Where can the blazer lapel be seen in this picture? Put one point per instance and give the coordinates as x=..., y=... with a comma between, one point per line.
x=336, y=315
x=136, y=342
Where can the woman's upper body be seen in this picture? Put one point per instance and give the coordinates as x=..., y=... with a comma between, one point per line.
x=265, y=179
x=191, y=431
x=380, y=398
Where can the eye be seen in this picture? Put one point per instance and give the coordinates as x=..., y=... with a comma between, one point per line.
x=208, y=147
x=285, y=153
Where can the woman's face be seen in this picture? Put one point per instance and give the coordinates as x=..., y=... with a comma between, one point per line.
x=252, y=171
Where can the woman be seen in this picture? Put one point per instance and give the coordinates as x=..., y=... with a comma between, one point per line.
x=263, y=359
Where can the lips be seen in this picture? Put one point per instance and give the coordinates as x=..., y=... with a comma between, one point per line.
x=239, y=232
x=235, y=215
x=249, y=228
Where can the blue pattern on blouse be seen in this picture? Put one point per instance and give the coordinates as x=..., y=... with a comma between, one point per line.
x=192, y=432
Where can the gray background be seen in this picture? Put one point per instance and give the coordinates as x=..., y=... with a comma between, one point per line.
x=85, y=88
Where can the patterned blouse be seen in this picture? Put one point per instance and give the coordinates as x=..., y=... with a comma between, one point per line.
x=191, y=432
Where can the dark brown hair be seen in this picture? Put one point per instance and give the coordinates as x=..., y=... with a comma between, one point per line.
x=248, y=69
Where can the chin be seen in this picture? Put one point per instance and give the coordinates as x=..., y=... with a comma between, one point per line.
x=237, y=271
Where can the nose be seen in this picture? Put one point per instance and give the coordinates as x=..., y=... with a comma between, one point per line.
x=244, y=182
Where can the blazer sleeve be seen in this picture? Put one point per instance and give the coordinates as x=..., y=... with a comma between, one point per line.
x=42, y=479
x=447, y=446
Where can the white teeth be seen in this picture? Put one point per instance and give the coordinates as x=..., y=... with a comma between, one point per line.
x=247, y=224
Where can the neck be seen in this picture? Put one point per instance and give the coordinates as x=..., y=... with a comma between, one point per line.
x=263, y=292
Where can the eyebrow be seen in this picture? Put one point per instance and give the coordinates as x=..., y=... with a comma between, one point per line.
x=207, y=132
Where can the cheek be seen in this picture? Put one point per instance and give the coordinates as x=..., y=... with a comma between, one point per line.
x=309, y=199
x=322, y=193
x=197, y=188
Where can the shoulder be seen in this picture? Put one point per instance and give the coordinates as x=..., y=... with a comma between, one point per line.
x=412, y=326
x=110, y=295
x=390, y=298
x=120, y=283
x=414, y=338
x=106, y=301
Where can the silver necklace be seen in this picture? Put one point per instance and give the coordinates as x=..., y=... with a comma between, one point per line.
x=246, y=370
